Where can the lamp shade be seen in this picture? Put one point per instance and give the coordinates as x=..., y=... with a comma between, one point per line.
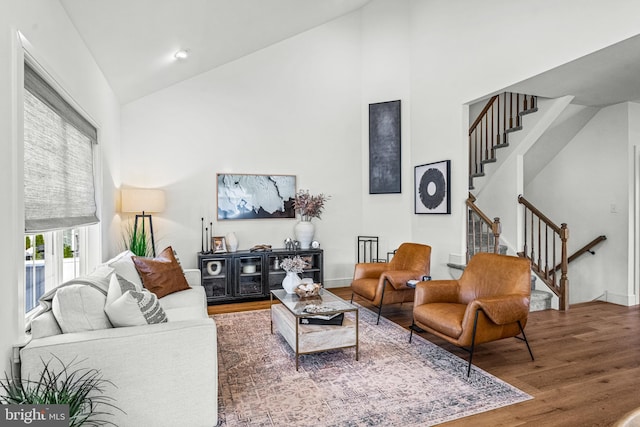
x=142, y=200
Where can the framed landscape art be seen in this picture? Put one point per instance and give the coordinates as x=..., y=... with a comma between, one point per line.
x=433, y=188
x=245, y=196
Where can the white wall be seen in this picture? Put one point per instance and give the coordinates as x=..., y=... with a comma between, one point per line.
x=56, y=44
x=293, y=108
x=580, y=187
x=460, y=53
x=386, y=77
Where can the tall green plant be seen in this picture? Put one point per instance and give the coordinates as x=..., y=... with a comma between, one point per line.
x=80, y=388
x=137, y=241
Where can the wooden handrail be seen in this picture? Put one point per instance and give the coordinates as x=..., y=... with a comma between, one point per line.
x=539, y=214
x=542, y=250
x=586, y=248
x=478, y=212
x=482, y=113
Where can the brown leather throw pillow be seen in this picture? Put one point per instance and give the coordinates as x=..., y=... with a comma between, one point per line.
x=161, y=275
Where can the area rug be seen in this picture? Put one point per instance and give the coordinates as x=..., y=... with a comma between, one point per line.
x=394, y=383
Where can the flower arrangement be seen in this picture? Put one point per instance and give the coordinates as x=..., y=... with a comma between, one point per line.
x=295, y=264
x=309, y=206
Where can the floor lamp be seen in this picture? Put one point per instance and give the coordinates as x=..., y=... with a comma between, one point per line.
x=145, y=201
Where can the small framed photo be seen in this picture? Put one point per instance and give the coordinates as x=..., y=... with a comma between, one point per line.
x=218, y=244
x=433, y=188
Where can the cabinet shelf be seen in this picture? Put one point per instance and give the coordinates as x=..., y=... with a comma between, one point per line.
x=230, y=284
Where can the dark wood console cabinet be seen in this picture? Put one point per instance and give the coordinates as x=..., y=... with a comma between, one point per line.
x=245, y=276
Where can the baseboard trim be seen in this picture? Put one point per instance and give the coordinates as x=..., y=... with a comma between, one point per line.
x=337, y=283
x=626, y=300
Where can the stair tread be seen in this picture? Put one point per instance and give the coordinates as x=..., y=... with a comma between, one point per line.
x=529, y=111
x=489, y=160
x=513, y=129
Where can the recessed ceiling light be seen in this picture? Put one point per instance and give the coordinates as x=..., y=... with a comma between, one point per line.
x=182, y=54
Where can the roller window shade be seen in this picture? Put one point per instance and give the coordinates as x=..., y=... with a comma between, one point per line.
x=59, y=187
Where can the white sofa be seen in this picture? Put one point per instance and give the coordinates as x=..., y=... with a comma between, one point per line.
x=164, y=374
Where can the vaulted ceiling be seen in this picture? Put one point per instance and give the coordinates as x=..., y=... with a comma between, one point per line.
x=134, y=41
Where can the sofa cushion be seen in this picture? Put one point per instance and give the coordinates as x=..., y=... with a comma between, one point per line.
x=186, y=305
x=132, y=307
x=79, y=308
x=161, y=275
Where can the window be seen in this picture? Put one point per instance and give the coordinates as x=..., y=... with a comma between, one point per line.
x=51, y=258
x=59, y=193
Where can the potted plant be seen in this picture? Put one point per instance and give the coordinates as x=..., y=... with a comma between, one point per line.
x=308, y=206
x=80, y=388
x=137, y=241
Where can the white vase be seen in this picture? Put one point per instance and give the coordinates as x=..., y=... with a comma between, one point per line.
x=304, y=231
x=291, y=282
x=232, y=242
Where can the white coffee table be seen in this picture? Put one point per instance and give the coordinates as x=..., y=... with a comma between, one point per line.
x=305, y=339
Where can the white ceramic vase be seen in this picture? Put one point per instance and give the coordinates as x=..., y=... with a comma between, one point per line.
x=232, y=241
x=304, y=231
x=291, y=282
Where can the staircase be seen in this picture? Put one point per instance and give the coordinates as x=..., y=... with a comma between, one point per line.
x=545, y=243
x=501, y=116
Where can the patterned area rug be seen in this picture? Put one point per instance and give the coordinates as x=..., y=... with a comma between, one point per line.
x=393, y=384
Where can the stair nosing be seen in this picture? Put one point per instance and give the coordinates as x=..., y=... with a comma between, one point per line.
x=529, y=111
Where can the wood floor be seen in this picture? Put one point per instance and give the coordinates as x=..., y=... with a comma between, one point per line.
x=586, y=370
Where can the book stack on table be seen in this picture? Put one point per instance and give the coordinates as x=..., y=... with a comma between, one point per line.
x=333, y=319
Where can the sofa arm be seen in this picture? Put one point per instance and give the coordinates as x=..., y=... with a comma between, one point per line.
x=164, y=374
x=193, y=276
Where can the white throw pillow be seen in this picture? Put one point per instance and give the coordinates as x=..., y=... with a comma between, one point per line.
x=132, y=307
x=123, y=265
x=79, y=308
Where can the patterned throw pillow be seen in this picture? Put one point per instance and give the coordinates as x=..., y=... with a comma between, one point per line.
x=129, y=306
x=118, y=285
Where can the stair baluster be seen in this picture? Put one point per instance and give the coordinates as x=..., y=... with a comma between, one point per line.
x=483, y=234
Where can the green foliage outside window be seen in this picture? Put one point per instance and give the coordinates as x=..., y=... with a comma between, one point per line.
x=38, y=249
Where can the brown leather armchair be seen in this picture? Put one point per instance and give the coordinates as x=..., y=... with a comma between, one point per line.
x=386, y=283
x=489, y=302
